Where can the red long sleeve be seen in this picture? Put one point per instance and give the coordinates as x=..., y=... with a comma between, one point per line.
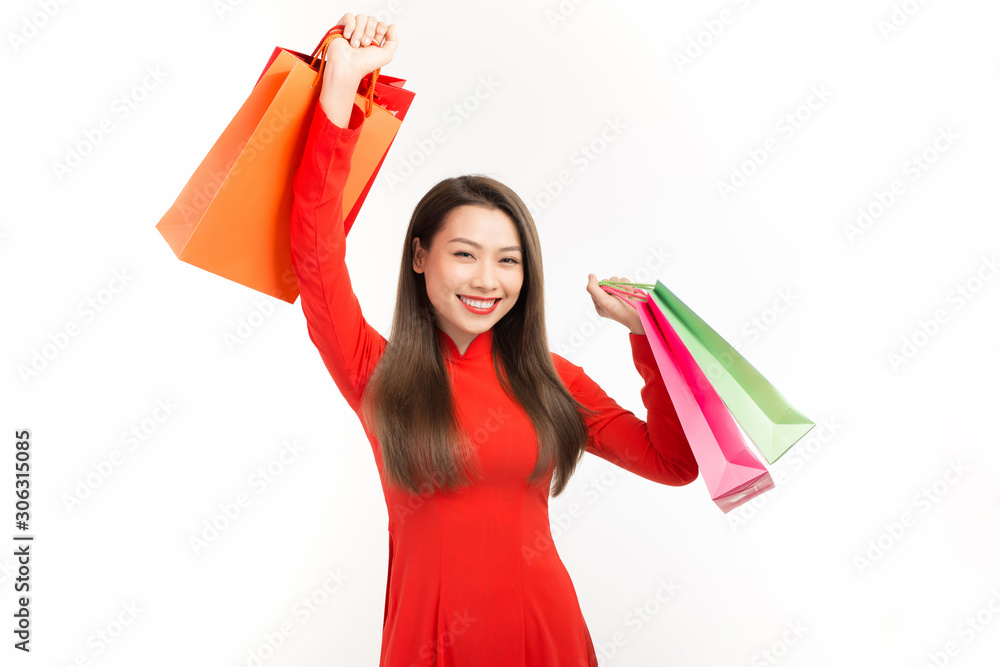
x=348, y=345
x=657, y=448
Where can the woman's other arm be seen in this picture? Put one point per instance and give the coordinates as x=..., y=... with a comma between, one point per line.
x=656, y=448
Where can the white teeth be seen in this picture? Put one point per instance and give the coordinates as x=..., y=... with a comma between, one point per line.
x=478, y=304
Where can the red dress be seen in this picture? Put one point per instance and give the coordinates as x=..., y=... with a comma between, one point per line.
x=474, y=579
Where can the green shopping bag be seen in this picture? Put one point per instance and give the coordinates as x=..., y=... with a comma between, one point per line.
x=766, y=416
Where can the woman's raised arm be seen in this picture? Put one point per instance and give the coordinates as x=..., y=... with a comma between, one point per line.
x=348, y=345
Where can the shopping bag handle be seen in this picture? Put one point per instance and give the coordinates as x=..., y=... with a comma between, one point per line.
x=641, y=295
x=320, y=52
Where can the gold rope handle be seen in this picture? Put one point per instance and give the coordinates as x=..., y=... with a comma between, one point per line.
x=320, y=53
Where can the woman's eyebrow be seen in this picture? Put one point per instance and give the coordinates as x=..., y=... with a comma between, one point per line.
x=479, y=247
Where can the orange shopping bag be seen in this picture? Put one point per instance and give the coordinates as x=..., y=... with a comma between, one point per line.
x=232, y=217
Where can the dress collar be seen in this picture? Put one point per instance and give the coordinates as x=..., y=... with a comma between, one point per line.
x=481, y=345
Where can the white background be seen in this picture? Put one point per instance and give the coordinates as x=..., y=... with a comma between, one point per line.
x=846, y=549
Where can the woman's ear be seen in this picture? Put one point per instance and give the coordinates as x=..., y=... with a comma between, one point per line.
x=418, y=255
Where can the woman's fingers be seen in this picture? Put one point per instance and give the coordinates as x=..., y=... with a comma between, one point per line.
x=361, y=23
x=599, y=296
x=380, y=29
x=391, y=40
x=364, y=30
x=624, y=288
x=617, y=295
x=616, y=306
x=369, y=34
x=348, y=21
x=360, y=31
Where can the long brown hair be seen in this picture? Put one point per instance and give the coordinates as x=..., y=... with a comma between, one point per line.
x=408, y=401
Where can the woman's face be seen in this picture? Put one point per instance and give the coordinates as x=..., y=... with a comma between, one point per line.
x=475, y=256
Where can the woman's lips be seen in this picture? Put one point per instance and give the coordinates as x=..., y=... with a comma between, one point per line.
x=473, y=309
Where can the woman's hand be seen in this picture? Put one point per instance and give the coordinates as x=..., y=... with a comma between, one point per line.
x=350, y=59
x=347, y=57
x=613, y=306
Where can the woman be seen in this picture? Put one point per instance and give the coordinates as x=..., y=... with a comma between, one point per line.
x=469, y=415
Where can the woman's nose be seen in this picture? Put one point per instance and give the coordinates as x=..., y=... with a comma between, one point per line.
x=485, y=277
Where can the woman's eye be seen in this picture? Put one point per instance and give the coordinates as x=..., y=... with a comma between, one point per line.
x=462, y=253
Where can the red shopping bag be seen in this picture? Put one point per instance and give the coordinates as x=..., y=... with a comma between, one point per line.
x=232, y=216
x=376, y=91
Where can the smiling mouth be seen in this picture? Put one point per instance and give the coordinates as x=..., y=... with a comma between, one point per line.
x=478, y=305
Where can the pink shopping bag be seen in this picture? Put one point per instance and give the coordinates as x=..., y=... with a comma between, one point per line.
x=730, y=470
